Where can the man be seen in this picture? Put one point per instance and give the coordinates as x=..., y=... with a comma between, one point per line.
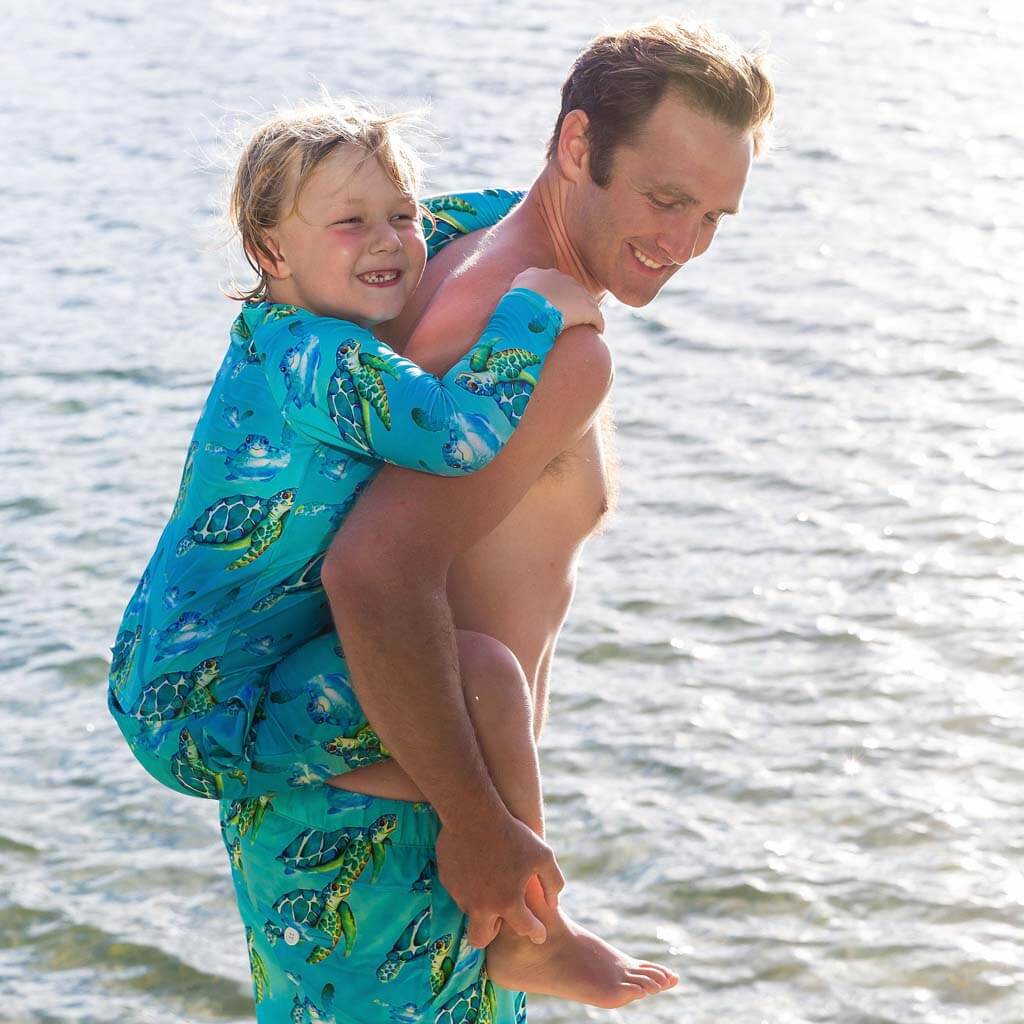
x=652, y=148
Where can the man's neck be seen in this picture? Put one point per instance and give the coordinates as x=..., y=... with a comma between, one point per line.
x=544, y=210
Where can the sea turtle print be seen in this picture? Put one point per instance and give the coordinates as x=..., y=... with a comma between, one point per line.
x=327, y=910
x=356, y=387
x=123, y=657
x=306, y=578
x=424, y=882
x=444, y=206
x=178, y=693
x=247, y=815
x=475, y=1004
x=472, y=444
x=183, y=635
x=244, y=351
x=299, y=365
x=412, y=943
x=305, y=1011
x=501, y=375
x=260, y=978
x=254, y=459
x=173, y=596
x=263, y=646
x=186, y=479
x=363, y=747
x=441, y=963
x=240, y=521
x=332, y=465
x=188, y=767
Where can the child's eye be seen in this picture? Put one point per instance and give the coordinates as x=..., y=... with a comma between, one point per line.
x=402, y=216
x=350, y=220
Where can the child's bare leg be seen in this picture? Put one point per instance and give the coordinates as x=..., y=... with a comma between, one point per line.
x=573, y=963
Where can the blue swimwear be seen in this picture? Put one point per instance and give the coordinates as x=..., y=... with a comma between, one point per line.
x=228, y=680
x=301, y=415
x=345, y=919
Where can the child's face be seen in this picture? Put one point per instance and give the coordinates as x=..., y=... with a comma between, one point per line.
x=354, y=248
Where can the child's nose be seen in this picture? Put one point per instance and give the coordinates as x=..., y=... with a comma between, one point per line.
x=385, y=239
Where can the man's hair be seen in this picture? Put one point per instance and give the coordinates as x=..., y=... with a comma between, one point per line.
x=284, y=151
x=619, y=79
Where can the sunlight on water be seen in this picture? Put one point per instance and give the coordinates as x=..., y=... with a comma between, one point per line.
x=785, y=743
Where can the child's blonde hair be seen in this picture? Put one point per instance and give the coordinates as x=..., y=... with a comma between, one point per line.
x=285, y=150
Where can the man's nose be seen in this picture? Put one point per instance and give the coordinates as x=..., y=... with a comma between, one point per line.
x=680, y=244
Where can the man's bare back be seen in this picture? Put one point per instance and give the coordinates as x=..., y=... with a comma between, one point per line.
x=522, y=601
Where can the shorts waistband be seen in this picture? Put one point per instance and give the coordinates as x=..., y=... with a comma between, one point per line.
x=327, y=807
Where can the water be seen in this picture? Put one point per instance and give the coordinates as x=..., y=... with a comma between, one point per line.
x=785, y=745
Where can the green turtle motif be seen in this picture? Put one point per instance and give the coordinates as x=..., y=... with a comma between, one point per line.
x=245, y=346
x=475, y=1004
x=248, y=814
x=354, y=388
x=412, y=943
x=441, y=963
x=123, y=657
x=359, y=748
x=258, y=969
x=186, y=479
x=327, y=909
x=235, y=854
x=316, y=849
x=502, y=376
x=188, y=767
x=305, y=1011
x=305, y=578
x=178, y=693
x=441, y=206
x=425, y=880
x=279, y=311
x=240, y=521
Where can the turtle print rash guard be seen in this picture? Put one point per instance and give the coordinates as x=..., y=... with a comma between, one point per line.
x=303, y=412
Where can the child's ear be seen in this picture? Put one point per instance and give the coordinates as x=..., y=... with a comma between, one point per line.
x=268, y=255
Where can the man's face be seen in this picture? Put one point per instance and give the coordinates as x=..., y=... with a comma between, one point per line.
x=668, y=191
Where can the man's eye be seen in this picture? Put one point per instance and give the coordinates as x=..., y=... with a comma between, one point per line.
x=659, y=204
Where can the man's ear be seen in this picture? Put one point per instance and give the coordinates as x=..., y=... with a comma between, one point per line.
x=573, y=154
x=268, y=255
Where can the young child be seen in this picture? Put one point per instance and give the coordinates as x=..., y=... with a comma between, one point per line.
x=306, y=406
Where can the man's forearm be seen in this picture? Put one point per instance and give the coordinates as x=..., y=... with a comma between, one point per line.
x=399, y=642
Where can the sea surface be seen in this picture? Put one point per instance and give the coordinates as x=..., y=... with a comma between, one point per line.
x=786, y=749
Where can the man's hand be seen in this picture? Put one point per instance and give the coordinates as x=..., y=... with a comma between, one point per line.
x=486, y=870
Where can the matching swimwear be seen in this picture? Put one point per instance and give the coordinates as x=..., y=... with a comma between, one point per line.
x=228, y=681
x=345, y=919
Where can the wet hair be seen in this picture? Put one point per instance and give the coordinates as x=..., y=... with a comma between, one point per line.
x=619, y=79
x=283, y=152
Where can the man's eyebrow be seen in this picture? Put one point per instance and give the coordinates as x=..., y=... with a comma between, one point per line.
x=679, y=193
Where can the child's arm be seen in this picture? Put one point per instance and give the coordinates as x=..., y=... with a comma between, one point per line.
x=339, y=385
x=459, y=213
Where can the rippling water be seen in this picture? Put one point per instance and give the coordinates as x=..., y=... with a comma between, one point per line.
x=785, y=748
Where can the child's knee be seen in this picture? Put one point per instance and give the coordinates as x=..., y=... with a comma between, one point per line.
x=490, y=670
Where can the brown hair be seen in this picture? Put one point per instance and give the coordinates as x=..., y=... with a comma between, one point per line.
x=619, y=79
x=284, y=151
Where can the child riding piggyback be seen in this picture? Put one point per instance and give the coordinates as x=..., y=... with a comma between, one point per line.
x=306, y=406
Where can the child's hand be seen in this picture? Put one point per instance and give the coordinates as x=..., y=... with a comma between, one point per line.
x=578, y=306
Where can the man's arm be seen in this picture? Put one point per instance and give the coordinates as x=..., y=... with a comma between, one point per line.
x=385, y=578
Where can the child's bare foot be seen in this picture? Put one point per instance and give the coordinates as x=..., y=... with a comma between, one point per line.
x=573, y=964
